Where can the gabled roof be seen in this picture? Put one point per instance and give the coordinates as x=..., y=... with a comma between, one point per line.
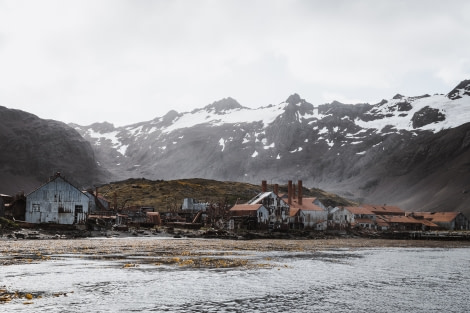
x=307, y=204
x=294, y=211
x=384, y=209
x=358, y=210
x=58, y=176
x=381, y=221
x=439, y=217
x=402, y=219
x=428, y=223
x=364, y=221
x=246, y=207
x=259, y=197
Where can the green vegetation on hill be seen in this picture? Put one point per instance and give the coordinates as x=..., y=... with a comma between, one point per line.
x=169, y=195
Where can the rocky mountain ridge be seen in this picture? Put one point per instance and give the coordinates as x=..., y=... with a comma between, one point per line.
x=409, y=151
x=33, y=149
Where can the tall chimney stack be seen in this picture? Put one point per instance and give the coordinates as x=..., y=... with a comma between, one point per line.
x=115, y=201
x=276, y=189
x=299, y=193
x=289, y=192
x=264, y=186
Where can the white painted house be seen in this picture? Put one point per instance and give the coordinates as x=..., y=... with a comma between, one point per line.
x=251, y=216
x=57, y=201
x=314, y=216
x=278, y=208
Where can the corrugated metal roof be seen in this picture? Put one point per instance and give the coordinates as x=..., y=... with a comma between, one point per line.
x=443, y=217
x=246, y=207
x=383, y=209
x=294, y=211
x=403, y=219
x=358, y=210
x=307, y=205
x=259, y=197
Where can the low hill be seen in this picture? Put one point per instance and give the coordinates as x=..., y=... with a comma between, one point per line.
x=168, y=195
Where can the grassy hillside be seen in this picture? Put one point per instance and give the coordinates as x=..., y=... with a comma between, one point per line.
x=169, y=195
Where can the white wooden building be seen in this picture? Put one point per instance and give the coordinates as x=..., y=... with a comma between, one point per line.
x=251, y=216
x=340, y=218
x=57, y=201
x=278, y=208
x=360, y=216
x=314, y=216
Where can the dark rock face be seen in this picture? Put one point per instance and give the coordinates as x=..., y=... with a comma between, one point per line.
x=34, y=149
x=404, y=106
x=223, y=105
x=462, y=89
x=427, y=116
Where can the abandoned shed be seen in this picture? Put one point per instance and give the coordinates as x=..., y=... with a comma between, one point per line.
x=251, y=216
x=57, y=201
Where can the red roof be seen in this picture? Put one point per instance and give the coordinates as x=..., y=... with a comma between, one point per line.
x=443, y=217
x=358, y=210
x=364, y=220
x=246, y=207
x=293, y=211
x=307, y=205
x=402, y=219
x=384, y=209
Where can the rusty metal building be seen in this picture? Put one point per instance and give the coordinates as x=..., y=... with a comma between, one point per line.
x=57, y=201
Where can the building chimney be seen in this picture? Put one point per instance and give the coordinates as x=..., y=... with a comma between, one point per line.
x=115, y=201
x=276, y=189
x=299, y=193
x=264, y=186
x=289, y=192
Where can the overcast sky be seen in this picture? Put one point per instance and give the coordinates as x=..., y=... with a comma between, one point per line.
x=131, y=61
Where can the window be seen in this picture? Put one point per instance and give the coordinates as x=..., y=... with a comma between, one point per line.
x=36, y=207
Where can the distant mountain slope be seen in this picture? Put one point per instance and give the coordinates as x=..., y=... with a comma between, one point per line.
x=33, y=149
x=410, y=151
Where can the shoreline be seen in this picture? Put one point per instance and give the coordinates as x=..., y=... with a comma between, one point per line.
x=164, y=244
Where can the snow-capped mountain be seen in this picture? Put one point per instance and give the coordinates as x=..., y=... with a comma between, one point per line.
x=411, y=151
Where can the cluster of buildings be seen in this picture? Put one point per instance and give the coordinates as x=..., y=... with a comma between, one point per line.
x=59, y=202
x=270, y=210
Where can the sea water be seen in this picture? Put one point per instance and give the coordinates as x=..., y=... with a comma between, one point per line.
x=338, y=280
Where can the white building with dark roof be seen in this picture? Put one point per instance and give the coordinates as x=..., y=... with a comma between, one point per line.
x=57, y=201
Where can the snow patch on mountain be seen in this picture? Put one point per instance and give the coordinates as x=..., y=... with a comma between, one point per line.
x=456, y=113
x=265, y=115
x=222, y=143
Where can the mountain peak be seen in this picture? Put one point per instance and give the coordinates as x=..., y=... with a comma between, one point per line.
x=222, y=105
x=102, y=127
x=170, y=116
x=294, y=99
x=462, y=89
x=398, y=96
